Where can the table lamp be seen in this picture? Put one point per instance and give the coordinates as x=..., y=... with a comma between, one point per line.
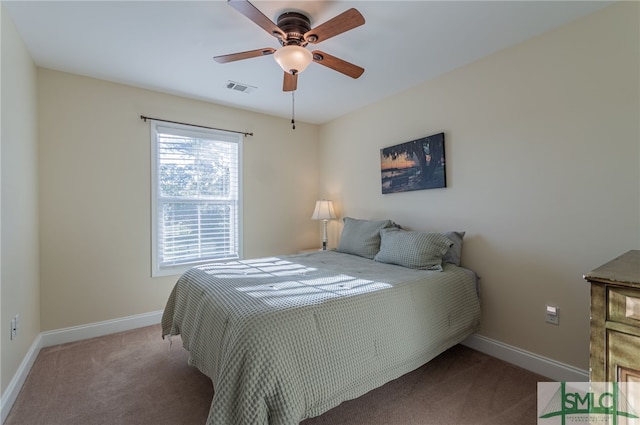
x=324, y=211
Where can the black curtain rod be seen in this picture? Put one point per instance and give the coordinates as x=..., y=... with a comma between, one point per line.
x=142, y=117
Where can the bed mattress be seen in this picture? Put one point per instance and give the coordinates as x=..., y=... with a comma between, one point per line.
x=287, y=338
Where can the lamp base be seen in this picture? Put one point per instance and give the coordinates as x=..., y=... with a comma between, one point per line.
x=324, y=235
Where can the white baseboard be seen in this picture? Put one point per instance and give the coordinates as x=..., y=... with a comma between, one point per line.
x=92, y=330
x=533, y=362
x=63, y=336
x=10, y=395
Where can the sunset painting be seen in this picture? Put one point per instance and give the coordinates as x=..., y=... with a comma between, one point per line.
x=415, y=165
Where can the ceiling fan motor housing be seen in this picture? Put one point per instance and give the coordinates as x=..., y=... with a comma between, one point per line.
x=295, y=25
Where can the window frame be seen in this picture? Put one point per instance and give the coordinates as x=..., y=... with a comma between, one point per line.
x=157, y=269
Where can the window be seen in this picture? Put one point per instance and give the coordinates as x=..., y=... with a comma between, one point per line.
x=195, y=196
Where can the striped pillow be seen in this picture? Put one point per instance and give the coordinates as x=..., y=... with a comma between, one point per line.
x=416, y=250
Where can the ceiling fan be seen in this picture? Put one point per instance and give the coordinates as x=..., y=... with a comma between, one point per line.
x=294, y=33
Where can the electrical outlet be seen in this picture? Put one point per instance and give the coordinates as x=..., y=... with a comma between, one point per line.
x=553, y=315
x=14, y=328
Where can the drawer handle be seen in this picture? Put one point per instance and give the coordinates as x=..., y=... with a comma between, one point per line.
x=633, y=308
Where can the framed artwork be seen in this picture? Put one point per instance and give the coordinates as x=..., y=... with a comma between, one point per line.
x=415, y=165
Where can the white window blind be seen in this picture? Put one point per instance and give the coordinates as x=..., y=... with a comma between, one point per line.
x=196, y=211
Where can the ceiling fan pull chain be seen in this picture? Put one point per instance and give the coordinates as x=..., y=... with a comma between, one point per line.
x=293, y=110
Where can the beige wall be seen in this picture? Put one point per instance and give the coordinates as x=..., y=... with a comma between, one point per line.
x=543, y=171
x=95, y=193
x=19, y=285
x=542, y=146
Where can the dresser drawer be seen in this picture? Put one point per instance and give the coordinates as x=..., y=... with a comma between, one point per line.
x=623, y=357
x=623, y=306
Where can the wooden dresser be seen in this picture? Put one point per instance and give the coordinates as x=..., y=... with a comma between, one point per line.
x=615, y=320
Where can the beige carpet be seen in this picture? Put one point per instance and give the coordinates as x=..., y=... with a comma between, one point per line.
x=133, y=378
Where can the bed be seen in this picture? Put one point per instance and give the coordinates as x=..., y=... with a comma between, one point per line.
x=288, y=338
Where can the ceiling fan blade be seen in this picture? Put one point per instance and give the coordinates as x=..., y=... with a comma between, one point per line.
x=290, y=82
x=252, y=12
x=345, y=21
x=244, y=55
x=337, y=64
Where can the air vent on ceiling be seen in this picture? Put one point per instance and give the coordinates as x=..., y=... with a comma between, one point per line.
x=241, y=87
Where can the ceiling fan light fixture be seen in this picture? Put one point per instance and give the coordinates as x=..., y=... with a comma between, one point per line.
x=293, y=59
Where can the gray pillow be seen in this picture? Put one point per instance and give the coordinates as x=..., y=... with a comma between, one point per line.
x=361, y=237
x=453, y=254
x=416, y=250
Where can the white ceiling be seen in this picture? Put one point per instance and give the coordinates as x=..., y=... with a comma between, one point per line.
x=168, y=46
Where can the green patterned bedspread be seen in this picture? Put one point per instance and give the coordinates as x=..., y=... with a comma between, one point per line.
x=288, y=338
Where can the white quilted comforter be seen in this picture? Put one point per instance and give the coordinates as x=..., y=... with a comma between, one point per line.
x=288, y=338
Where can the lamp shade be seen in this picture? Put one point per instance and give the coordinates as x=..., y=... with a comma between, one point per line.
x=324, y=211
x=293, y=59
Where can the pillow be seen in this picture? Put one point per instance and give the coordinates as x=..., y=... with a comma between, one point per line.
x=453, y=254
x=361, y=237
x=416, y=250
